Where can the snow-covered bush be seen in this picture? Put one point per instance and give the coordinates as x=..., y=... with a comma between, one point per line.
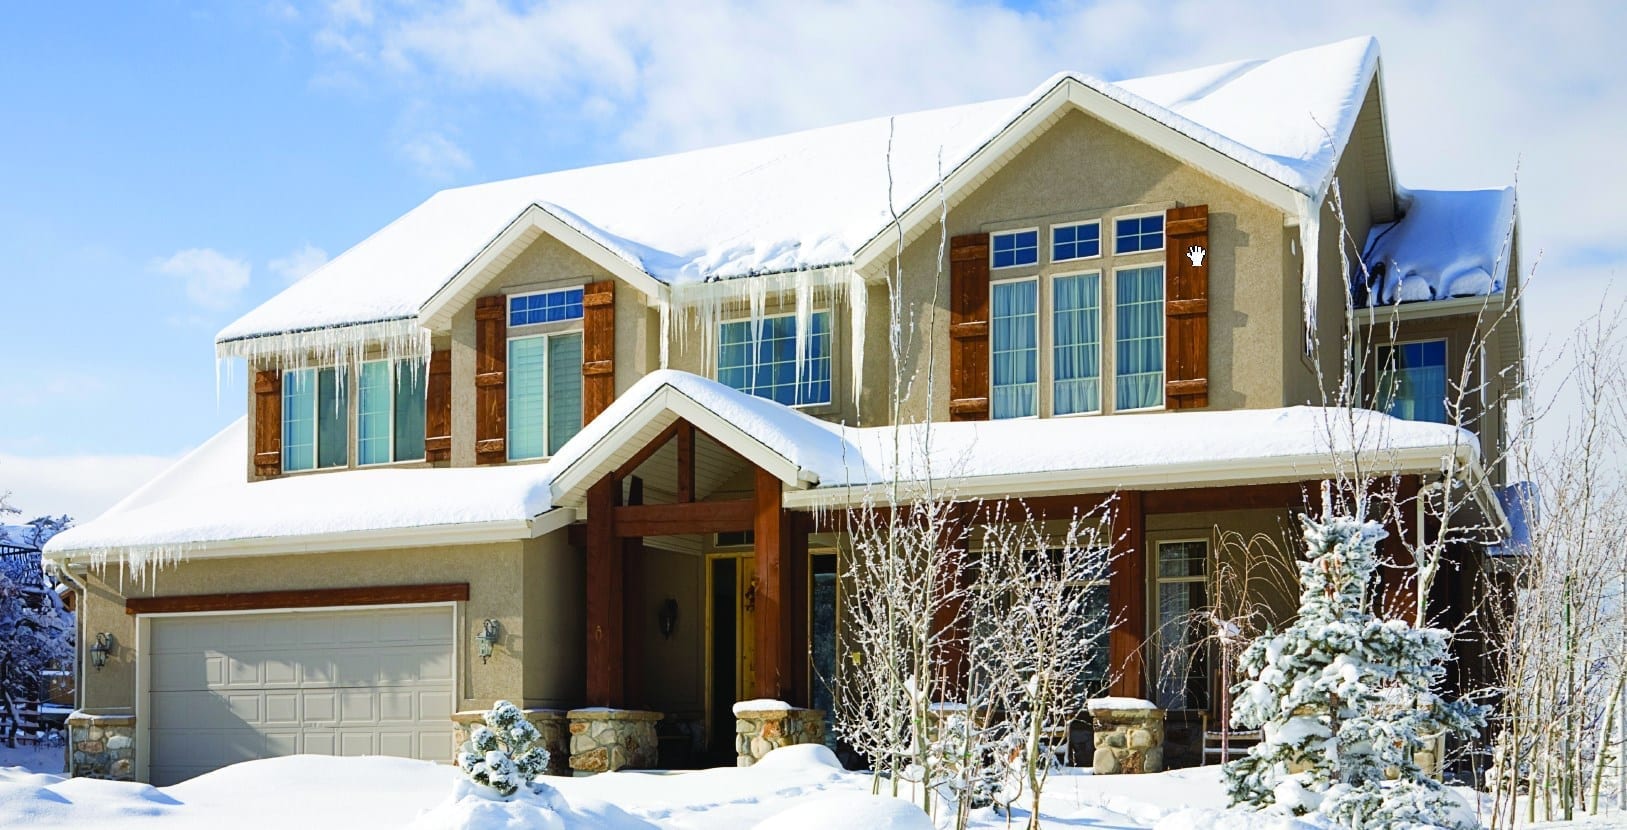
x=506, y=753
x=1344, y=699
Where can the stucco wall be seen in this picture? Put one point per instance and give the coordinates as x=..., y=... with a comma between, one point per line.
x=672, y=668
x=553, y=648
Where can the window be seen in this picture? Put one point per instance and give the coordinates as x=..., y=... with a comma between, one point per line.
x=764, y=362
x=1139, y=318
x=1183, y=664
x=1081, y=241
x=390, y=412
x=1014, y=373
x=1135, y=234
x=545, y=307
x=544, y=393
x=1009, y=250
x=315, y=420
x=1412, y=380
x=1076, y=344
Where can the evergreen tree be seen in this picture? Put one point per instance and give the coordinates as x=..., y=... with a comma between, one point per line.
x=506, y=753
x=1344, y=699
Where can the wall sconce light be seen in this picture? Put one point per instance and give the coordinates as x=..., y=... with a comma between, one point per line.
x=487, y=638
x=667, y=617
x=100, y=649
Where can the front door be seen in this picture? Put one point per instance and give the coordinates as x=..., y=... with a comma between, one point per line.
x=732, y=670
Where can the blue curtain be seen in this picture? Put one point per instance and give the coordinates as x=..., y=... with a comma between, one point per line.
x=1077, y=344
x=1014, y=379
x=1139, y=314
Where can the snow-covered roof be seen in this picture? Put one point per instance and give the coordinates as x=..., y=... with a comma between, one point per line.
x=1447, y=243
x=813, y=198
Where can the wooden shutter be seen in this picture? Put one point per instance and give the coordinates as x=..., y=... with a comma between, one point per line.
x=598, y=348
x=969, y=327
x=268, y=422
x=438, y=407
x=491, y=377
x=1186, y=307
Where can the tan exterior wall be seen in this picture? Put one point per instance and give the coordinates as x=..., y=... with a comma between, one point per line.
x=555, y=639
x=673, y=669
x=1264, y=544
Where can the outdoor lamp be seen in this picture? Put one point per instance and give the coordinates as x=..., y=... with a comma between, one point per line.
x=667, y=617
x=99, y=651
x=486, y=639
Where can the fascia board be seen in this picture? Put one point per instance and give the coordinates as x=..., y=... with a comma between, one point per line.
x=463, y=533
x=1491, y=304
x=436, y=314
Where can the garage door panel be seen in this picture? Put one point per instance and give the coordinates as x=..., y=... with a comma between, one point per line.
x=359, y=669
x=282, y=743
x=396, y=706
x=245, y=708
x=357, y=744
x=356, y=707
x=397, y=744
x=320, y=707
x=434, y=707
x=320, y=743
x=281, y=708
x=241, y=672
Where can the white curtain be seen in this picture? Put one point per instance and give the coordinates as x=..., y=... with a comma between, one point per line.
x=1077, y=351
x=1015, y=371
x=525, y=396
x=373, y=414
x=1139, y=314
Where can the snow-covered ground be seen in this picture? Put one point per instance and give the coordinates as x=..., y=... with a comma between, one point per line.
x=795, y=788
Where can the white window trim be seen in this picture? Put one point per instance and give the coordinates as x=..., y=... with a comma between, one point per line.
x=547, y=376
x=1038, y=247
x=1049, y=346
x=1446, y=363
x=1101, y=244
x=508, y=306
x=1163, y=234
x=1163, y=305
x=341, y=377
x=830, y=337
x=1041, y=346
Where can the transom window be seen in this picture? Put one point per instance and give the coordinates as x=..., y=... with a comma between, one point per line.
x=315, y=420
x=1412, y=380
x=545, y=307
x=1134, y=234
x=544, y=393
x=1014, y=373
x=761, y=359
x=1139, y=337
x=1009, y=250
x=390, y=412
x=1183, y=594
x=1081, y=241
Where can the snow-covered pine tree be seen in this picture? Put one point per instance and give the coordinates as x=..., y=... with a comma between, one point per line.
x=1344, y=699
x=505, y=754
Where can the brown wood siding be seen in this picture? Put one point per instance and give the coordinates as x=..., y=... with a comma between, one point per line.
x=438, y=407
x=1186, y=308
x=318, y=598
x=598, y=348
x=969, y=327
x=491, y=379
x=268, y=422
x=1127, y=596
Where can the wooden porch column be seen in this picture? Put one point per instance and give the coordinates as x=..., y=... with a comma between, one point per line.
x=1398, y=584
x=947, y=617
x=1127, y=596
x=772, y=530
x=605, y=608
x=799, y=653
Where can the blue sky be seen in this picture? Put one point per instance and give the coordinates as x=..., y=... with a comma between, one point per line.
x=166, y=166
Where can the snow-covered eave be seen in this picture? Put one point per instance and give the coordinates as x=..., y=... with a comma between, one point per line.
x=1491, y=305
x=532, y=222
x=418, y=536
x=1158, y=127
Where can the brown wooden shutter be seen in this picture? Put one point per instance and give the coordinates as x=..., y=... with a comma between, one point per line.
x=438, y=407
x=1186, y=307
x=268, y=422
x=598, y=348
x=969, y=327
x=491, y=379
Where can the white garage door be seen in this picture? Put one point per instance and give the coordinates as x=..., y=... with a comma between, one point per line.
x=235, y=687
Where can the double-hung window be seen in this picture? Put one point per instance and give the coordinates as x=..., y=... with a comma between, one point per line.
x=760, y=358
x=315, y=420
x=1412, y=380
x=1138, y=315
x=1014, y=341
x=544, y=372
x=1076, y=344
x=390, y=412
x=1183, y=664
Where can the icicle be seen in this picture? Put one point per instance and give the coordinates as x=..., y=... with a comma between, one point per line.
x=804, y=314
x=666, y=333
x=345, y=346
x=143, y=562
x=858, y=303
x=1310, y=232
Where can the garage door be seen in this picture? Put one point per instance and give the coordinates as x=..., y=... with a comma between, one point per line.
x=236, y=687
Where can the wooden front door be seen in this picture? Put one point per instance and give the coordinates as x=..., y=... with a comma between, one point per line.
x=731, y=669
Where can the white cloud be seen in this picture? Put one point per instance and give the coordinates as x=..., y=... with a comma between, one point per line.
x=434, y=156
x=298, y=263
x=212, y=279
x=81, y=486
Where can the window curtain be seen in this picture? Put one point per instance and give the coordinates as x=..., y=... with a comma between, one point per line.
x=299, y=420
x=1139, y=315
x=564, y=398
x=1014, y=375
x=411, y=378
x=332, y=420
x=373, y=414
x=1077, y=339
x=525, y=397
x=1416, y=386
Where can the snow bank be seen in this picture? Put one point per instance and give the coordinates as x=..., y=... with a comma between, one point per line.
x=540, y=807
x=873, y=812
x=1120, y=704
x=761, y=705
x=1446, y=244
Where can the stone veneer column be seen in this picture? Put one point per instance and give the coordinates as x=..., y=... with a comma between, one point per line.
x=102, y=745
x=606, y=740
x=1129, y=736
x=550, y=722
x=762, y=726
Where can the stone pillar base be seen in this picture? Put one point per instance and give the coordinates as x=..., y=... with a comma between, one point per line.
x=102, y=745
x=762, y=726
x=1129, y=736
x=550, y=722
x=606, y=740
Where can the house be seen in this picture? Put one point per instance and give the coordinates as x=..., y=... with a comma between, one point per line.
x=572, y=439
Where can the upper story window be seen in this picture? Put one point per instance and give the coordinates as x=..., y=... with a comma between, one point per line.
x=390, y=411
x=1076, y=344
x=544, y=392
x=1014, y=248
x=1412, y=380
x=1081, y=241
x=315, y=420
x=545, y=307
x=1014, y=341
x=1135, y=234
x=1139, y=334
x=762, y=359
